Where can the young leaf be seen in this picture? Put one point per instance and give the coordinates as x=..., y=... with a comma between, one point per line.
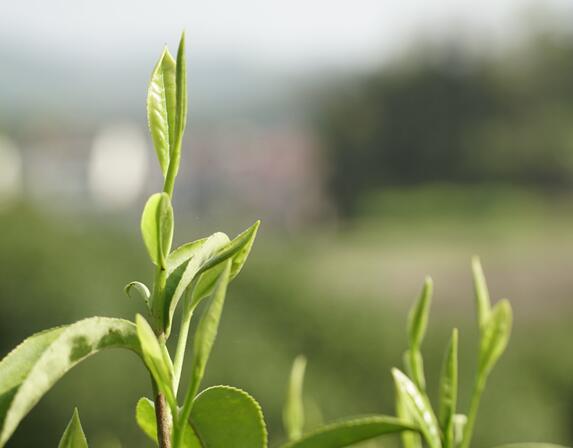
x=141, y=289
x=481, y=292
x=156, y=359
x=161, y=99
x=237, y=251
x=145, y=417
x=181, y=89
x=496, y=334
x=418, y=317
x=74, y=436
x=293, y=413
x=33, y=367
x=183, y=275
x=449, y=390
x=201, y=270
x=232, y=409
x=157, y=227
x=205, y=336
x=417, y=324
x=418, y=407
x=348, y=432
x=180, y=117
x=183, y=254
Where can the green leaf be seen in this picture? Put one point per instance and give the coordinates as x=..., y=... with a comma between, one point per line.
x=205, y=337
x=157, y=227
x=481, y=292
x=145, y=417
x=161, y=108
x=237, y=251
x=293, y=413
x=184, y=274
x=495, y=337
x=418, y=317
x=449, y=390
x=141, y=289
x=348, y=432
x=156, y=359
x=33, y=367
x=201, y=270
x=74, y=436
x=181, y=89
x=418, y=406
x=235, y=411
x=409, y=439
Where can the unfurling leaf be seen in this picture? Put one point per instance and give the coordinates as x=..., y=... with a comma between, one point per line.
x=74, y=436
x=157, y=227
x=495, y=337
x=449, y=391
x=161, y=108
x=33, y=367
x=293, y=413
x=156, y=359
x=349, y=432
x=141, y=289
x=418, y=407
x=481, y=292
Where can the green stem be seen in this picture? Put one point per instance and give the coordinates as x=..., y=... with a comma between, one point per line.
x=479, y=386
x=173, y=168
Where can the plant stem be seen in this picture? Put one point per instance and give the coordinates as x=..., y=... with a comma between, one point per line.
x=181, y=346
x=472, y=414
x=162, y=417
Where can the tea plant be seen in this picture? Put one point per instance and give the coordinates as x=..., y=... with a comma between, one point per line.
x=417, y=421
x=192, y=273
x=200, y=271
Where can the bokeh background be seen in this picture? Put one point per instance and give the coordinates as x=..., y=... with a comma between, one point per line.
x=378, y=141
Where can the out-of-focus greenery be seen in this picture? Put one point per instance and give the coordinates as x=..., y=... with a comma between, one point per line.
x=341, y=299
x=444, y=114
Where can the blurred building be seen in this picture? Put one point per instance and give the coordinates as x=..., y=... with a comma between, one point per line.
x=225, y=170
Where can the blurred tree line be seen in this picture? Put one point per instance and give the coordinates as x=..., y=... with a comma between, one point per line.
x=447, y=115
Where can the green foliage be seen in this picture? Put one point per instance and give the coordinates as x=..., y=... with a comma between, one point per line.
x=223, y=416
x=232, y=409
x=348, y=432
x=215, y=408
x=449, y=390
x=161, y=105
x=156, y=359
x=74, y=436
x=32, y=368
x=194, y=271
x=157, y=227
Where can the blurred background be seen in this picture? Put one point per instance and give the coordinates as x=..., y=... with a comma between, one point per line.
x=378, y=141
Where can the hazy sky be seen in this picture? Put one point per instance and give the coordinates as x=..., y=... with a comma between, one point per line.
x=291, y=32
